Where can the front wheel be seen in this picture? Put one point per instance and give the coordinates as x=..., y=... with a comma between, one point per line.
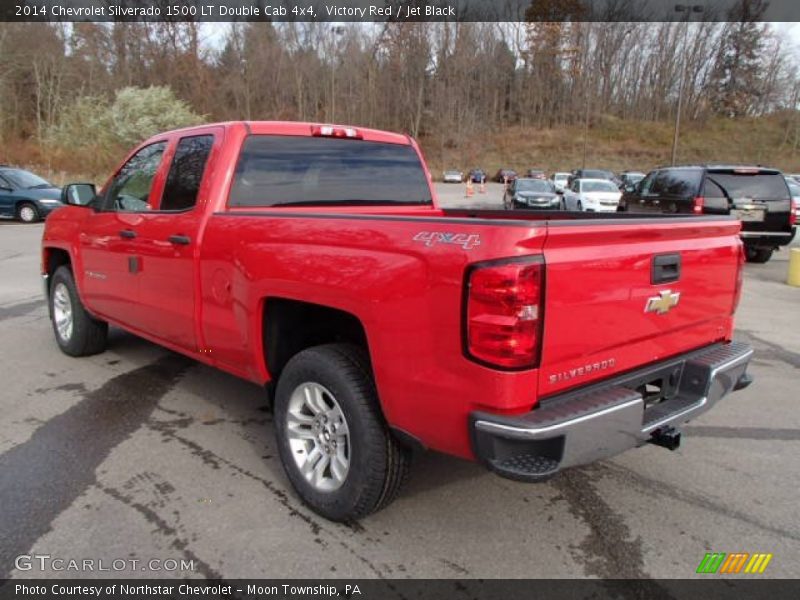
x=758, y=255
x=334, y=444
x=77, y=332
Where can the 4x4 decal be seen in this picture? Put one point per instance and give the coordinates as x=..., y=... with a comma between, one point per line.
x=466, y=240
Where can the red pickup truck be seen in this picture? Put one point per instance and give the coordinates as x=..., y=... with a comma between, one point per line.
x=315, y=260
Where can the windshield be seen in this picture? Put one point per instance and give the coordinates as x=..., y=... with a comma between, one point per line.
x=24, y=179
x=560, y=177
x=294, y=171
x=742, y=185
x=533, y=185
x=598, y=186
x=794, y=188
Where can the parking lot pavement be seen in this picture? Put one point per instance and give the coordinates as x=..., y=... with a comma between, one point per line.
x=140, y=454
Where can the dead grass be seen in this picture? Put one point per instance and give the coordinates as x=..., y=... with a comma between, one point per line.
x=634, y=145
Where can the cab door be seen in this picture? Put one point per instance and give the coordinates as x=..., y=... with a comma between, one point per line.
x=108, y=273
x=168, y=243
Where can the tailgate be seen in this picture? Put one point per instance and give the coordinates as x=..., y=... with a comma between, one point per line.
x=615, y=300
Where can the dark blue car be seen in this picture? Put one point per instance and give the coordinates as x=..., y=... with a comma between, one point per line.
x=25, y=196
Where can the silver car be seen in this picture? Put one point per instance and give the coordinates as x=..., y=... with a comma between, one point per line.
x=452, y=176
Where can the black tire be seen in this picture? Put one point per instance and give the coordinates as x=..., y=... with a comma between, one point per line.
x=378, y=464
x=27, y=208
x=758, y=255
x=88, y=335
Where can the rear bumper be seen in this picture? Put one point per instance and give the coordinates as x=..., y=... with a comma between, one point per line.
x=605, y=419
x=768, y=238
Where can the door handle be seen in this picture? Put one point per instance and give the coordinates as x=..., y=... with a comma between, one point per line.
x=665, y=268
x=182, y=240
x=128, y=234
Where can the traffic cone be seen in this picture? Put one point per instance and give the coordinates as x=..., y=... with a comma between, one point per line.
x=482, y=189
x=470, y=191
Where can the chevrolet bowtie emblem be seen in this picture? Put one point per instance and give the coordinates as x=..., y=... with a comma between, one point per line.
x=662, y=303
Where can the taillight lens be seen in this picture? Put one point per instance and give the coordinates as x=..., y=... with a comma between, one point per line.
x=792, y=212
x=699, y=202
x=737, y=293
x=504, y=313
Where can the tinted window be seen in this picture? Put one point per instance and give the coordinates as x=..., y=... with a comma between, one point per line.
x=130, y=189
x=677, y=182
x=25, y=179
x=288, y=170
x=186, y=172
x=741, y=185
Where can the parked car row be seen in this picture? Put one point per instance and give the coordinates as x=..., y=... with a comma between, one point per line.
x=587, y=194
x=766, y=201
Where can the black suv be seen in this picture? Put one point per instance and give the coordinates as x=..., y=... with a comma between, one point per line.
x=758, y=196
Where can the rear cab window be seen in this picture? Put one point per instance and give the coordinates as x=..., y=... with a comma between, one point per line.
x=286, y=170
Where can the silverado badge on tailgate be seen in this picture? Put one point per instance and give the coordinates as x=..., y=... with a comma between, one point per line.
x=663, y=303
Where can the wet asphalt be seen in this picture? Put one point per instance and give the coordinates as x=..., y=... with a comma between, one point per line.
x=140, y=454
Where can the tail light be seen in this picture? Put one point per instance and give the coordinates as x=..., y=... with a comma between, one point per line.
x=793, y=212
x=737, y=292
x=504, y=313
x=699, y=202
x=337, y=132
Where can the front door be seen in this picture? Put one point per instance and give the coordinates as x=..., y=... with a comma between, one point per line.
x=109, y=271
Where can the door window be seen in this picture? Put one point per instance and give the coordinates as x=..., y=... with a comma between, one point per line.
x=186, y=172
x=131, y=187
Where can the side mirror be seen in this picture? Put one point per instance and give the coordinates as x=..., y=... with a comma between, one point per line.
x=78, y=194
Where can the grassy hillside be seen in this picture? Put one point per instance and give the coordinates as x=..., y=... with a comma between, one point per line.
x=618, y=145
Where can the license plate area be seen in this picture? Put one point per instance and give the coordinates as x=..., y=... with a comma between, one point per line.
x=755, y=213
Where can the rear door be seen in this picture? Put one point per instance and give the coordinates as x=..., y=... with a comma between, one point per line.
x=620, y=296
x=759, y=198
x=168, y=241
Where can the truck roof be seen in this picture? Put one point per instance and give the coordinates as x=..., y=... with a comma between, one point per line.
x=722, y=167
x=303, y=128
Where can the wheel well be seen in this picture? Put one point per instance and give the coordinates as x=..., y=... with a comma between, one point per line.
x=54, y=258
x=291, y=326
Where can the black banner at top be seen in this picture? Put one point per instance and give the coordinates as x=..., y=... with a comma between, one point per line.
x=399, y=10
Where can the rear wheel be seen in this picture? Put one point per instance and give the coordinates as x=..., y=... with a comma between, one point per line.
x=77, y=332
x=27, y=213
x=334, y=444
x=758, y=255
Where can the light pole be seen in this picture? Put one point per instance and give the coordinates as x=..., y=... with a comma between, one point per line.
x=688, y=9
